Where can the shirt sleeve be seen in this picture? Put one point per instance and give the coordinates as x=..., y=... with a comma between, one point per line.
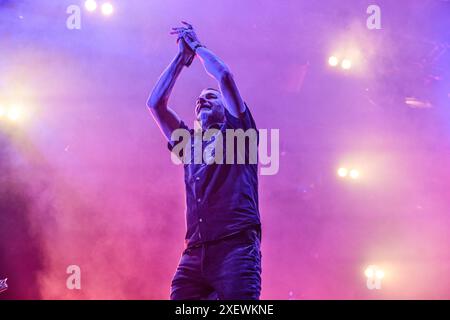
x=244, y=121
x=171, y=144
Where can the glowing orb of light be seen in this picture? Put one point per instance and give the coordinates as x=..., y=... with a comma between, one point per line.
x=14, y=113
x=333, y=61
x=354, y=174
x=342, y=172
x=369, y=273
x=379, y=274
x=346, y=64
x=90, y=5
x=107, y=9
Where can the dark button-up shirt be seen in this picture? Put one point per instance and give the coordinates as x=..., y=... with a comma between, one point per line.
x=221, y=199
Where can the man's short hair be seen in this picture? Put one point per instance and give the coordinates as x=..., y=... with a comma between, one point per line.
x=213, y=89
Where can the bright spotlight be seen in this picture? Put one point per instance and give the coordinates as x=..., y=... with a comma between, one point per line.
x=107, y=9
x=369, y=272
x=90, y=5
x=346, y=64
x=354, y=174
x=2, y=111
x=14, y=114
x=342, y=172
x=374, y=275
x=379, y=274
x=333, y=61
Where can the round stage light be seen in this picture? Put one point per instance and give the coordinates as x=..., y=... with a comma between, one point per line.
x=90, y=5
x=379, y=274
x=342, y=172
x=333, y=61
x=14, y=113
x=354, y=174
x=346, y=64
x=369, y=273
x=107, y=9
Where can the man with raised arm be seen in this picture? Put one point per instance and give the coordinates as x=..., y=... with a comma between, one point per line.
x=222, y=258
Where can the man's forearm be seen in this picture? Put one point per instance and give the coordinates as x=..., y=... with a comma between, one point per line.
x=214, y=66
x=161, y=92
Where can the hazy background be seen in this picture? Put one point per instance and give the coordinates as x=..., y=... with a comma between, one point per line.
x=86, y=178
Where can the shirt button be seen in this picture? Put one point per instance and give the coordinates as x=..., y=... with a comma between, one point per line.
x=198, y=200
x=201, y=220
x=197, y=178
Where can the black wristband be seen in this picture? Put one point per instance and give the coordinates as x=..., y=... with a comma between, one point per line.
x=198, y=45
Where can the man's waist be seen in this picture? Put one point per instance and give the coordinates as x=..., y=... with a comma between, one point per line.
x=249, y=231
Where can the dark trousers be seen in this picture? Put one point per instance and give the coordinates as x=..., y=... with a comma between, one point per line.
x=227, y=269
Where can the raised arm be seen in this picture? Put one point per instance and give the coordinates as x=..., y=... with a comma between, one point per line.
x=216, y=68
x=157, y=102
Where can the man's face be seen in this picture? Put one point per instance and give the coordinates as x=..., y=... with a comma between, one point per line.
x=209, y=107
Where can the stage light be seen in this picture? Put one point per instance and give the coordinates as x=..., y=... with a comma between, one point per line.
x=354, y=174
x=90, y=5
x=379, y=274
x=346, y=64
x=374, y=272
x=107, y=9
x=374, y=275
x=14, y=113
x=333, y=61
x=342, y=172
x=416, y=103
x=369, y=273
x=2, y=111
